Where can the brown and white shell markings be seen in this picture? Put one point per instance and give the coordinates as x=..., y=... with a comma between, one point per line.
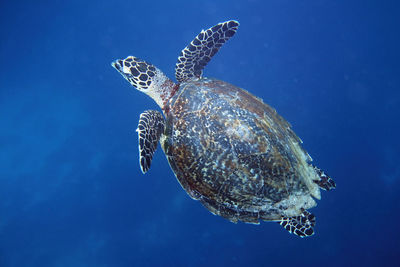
x=227, y=148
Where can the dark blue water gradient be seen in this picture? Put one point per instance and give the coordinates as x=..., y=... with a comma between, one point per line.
x=71, y=191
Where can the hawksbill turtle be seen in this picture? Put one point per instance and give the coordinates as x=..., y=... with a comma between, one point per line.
x=228, y=149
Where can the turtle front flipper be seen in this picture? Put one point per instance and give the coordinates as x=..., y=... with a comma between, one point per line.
x=199, y=52
x=325, y=182
x=301, y=225
x=150, y=128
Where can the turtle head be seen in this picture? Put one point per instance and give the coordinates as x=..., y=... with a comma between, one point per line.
x=146, y=78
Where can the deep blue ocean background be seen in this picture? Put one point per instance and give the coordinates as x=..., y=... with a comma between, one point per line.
x=71, y=190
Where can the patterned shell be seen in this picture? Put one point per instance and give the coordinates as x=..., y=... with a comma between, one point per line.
x=235, y=154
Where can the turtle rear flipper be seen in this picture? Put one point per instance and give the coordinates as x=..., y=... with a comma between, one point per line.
x=199, y=52
x=301, y=225
x=150, y=128
x=325, y=182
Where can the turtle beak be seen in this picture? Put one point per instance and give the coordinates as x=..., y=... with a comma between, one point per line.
x=117, y=64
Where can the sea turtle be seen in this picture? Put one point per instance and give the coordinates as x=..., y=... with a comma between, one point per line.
x=227, y=148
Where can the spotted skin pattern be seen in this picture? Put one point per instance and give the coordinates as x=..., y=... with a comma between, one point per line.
x=199, y=52
x=325, y=182
x=146, y=78
x=301, y=225
x=140, y=72
x=150, y=128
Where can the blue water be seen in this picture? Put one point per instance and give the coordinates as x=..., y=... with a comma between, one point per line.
x=71, y=190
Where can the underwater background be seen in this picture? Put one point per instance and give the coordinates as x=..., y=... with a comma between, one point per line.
x=71, y=190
